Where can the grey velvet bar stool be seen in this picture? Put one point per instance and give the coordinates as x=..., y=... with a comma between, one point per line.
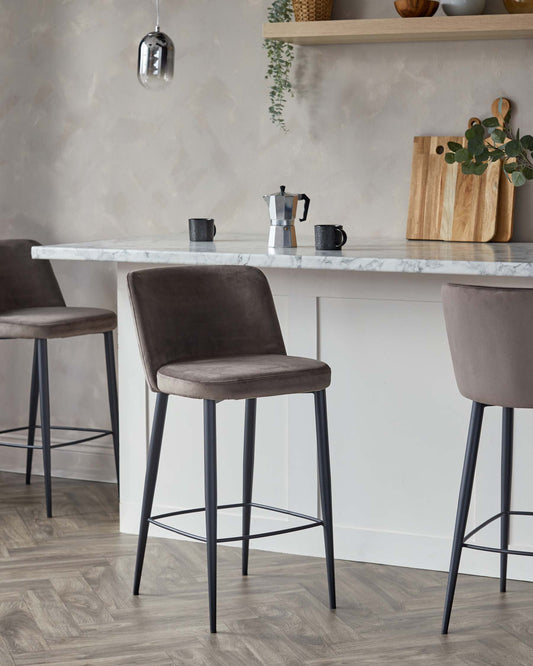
x=212, y=333
x=32, y=307
x=490, y=331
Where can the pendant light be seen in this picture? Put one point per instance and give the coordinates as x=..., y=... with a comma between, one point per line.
x=156, y=58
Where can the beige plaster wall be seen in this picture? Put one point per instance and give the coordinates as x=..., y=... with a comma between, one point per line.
x=86, y=153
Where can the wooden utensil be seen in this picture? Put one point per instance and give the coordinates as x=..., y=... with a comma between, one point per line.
x=445, y=204
x=506, y=195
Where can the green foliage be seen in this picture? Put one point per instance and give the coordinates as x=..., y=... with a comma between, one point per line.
x=527, y=142
x=513, y=148
x=490, y=142
x=280, y=59
x=518, y=178
x=454, y=146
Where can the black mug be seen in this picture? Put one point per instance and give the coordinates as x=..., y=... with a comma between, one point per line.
x=202, y=229
x=329, y=236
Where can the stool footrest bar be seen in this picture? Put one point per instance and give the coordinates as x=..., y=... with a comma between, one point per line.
x=313, y=522
x=98, y=433
x=490, y=549
x=505, y=551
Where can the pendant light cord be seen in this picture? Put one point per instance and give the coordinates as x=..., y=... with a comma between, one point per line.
x=157, y=15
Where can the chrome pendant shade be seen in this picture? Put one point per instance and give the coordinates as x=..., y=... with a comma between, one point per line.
x=155, y=67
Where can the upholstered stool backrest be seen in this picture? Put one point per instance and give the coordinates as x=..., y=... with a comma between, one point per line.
x=26, y=282
x=490, y=331
x=199, y=312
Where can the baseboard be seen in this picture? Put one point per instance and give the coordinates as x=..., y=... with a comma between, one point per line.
x=351, y=543
x=91, y=461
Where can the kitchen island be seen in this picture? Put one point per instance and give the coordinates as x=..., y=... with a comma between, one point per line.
x=397, y=422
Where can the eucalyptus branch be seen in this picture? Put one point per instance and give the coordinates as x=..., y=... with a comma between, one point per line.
x=491, y=141
x=280, y=59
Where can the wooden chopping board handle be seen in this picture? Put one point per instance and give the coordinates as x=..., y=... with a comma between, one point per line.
x=504, y=227
x=500, y=108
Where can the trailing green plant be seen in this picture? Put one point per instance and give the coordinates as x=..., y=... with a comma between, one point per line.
x=280, y=59
x=489, y=142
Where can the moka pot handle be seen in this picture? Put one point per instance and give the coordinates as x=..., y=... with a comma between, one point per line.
x=307, y=200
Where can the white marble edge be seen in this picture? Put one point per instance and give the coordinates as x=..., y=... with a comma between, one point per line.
x=389, y=256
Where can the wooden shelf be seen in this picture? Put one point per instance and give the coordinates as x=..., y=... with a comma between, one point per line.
x=435, y=28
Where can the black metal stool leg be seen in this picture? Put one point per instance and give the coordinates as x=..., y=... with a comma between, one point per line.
x=248, y=476
x=324, y=474
x=42, y=356
x=113, y=396
x=210, y=466
x=507, y=471
x=34, y=401
x=152, y=465
x=465, y=494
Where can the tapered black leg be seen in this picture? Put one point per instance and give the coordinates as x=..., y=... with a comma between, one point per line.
x=210, y=466
x=507, y=471
x=152, y=465
x=34, y=401
x=324, y=475
x=248, y=476
x=42, y=359
x=113, y=395
x=465, y=494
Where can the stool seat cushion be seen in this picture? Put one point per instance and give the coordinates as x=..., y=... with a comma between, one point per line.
x=240, y=377
x=55, y=322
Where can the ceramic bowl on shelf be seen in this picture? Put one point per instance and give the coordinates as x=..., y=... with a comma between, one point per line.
x=413, y=8
x=463, y=7
x=519, y=6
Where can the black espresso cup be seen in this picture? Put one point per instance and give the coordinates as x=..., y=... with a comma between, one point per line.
x=329, y=236
x=202, y=229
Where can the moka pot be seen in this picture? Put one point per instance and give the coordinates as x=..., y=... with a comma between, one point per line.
x=282, y=208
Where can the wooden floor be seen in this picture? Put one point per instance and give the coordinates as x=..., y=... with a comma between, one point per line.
x=65, y=599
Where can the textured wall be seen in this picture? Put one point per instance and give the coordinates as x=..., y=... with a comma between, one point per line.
x=85, y=152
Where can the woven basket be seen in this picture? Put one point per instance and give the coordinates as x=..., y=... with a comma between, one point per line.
x=312, y=10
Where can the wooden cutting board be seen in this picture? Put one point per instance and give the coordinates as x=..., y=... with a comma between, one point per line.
x=446, y=205
x=506, y=195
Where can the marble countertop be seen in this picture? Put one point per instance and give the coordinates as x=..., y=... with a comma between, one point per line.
x=399, y=256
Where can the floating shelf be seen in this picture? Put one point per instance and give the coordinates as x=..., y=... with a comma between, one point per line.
x=432, y=29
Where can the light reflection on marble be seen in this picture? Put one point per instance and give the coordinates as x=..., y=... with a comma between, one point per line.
x=500, y=259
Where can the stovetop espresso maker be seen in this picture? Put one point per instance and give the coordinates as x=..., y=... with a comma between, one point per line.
x=282, y=208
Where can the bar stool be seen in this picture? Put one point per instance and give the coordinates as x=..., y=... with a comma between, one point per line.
x=490, y=331
x=32, y=307
x=212, y=333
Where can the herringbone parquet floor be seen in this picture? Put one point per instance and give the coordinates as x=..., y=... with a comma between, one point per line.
x=65, y=599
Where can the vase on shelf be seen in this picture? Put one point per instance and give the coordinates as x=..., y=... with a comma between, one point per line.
x=463, y=7
x=416, y=8
x=519, y=6
x=312, y=10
